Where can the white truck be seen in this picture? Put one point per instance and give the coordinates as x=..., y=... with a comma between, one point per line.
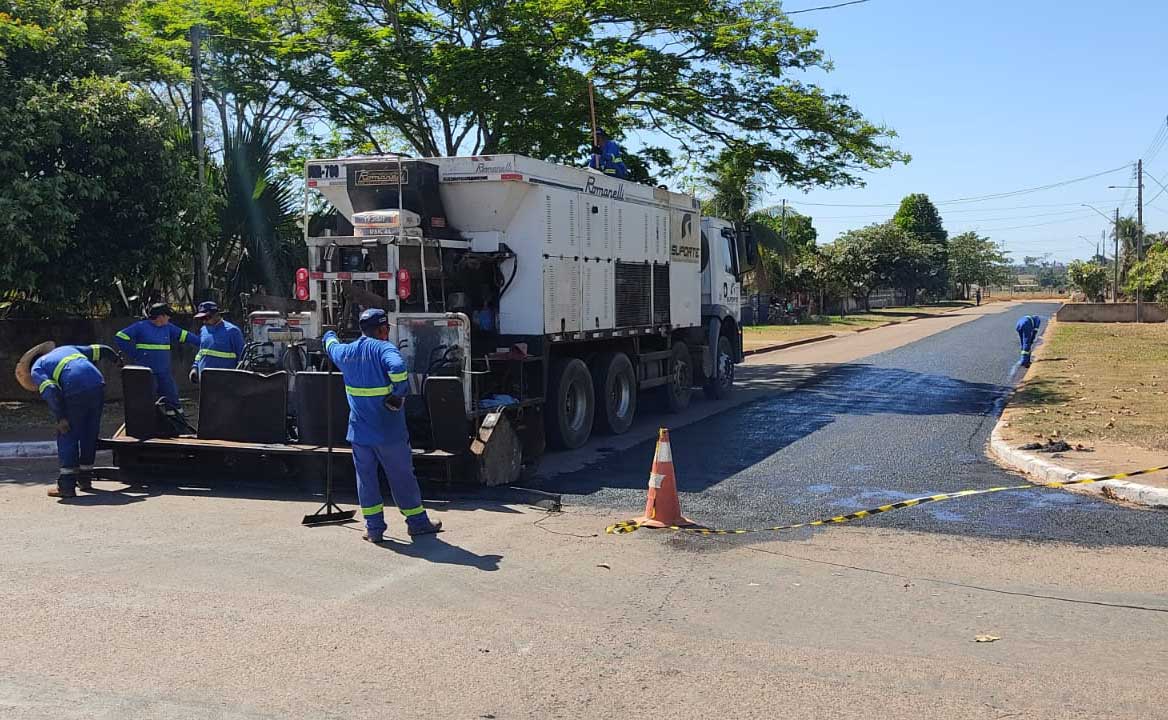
x=602, y=287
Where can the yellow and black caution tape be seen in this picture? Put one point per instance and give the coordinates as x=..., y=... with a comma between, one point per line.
x=628, y=526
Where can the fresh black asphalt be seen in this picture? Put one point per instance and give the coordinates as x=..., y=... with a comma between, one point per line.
x=904, y=423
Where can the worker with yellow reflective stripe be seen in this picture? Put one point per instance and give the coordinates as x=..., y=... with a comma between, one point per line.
x=220, y=342
x=147, y=342
x=69, y=381
x=608, y=157
x=1027, y=329
x=376, y=383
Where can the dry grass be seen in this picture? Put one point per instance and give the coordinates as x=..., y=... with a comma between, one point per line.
x=1096, y=381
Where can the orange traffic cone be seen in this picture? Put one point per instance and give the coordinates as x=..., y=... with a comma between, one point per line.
x=662, y=508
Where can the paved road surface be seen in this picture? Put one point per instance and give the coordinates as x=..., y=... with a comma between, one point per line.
x=902, y=423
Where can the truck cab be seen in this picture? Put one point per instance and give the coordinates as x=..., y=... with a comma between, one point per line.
x=728, y=251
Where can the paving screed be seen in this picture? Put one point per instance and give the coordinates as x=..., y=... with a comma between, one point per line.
x=899, y=424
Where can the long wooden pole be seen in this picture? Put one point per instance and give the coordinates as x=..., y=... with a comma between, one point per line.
x=595, y=136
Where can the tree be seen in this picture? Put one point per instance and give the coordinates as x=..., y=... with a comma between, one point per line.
x=918, y=218
x=497, y=77
x=975, y=260
x=95, y=184
x=1090, y=278
x=1151, y=274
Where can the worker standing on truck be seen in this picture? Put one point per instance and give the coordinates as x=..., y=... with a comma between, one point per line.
x=1027, y=329
x=376, y=383
x=69, y=381
x=608, y=157
x=220, y=342
x=147, y=342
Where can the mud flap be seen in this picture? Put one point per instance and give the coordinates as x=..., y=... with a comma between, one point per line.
x=497, y=450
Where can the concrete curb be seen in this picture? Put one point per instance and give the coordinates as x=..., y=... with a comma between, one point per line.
x=1039, y=470
x=783, y=346
x=27, y=449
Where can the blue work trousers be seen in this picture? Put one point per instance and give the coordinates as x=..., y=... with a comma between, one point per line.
x=399, y=469
x=164, y=381
x=76, y=449
x=1026, y=337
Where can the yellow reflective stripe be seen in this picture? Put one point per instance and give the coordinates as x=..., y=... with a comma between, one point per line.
x=45, y=384
x=62, y=363
x=149, y=346
x=367, y=392
x=610, y=171
x=182, y=336
x=413, y=511
x=616, y=158
x=217, y=353
x=367, y=511
x=96, y=352
x=399, y=377
x=330, y=341
x=123, y=336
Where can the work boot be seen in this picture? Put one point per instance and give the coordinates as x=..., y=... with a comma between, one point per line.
x=84, y=480
x=375, y=539
x=429, y=527
x=59, y=492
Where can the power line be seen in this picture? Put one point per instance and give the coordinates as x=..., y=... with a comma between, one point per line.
x=826, y=7
x=982, y=198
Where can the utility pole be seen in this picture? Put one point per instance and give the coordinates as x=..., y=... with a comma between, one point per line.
x=197, y=143
x=1139, y=229
x=1115, y=282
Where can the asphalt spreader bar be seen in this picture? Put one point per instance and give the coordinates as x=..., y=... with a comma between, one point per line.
x=629, y=526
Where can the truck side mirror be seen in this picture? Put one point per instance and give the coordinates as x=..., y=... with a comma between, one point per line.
x=747, y=247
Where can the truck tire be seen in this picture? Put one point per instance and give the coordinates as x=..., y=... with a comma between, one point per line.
x=721, y=382
x=678, y=390
x=570, y=404
x=616, y=392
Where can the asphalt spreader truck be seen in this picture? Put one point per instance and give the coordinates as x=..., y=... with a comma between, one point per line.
x=534, y=304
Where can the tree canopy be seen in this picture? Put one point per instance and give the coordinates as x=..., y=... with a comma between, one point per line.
x=974, y=259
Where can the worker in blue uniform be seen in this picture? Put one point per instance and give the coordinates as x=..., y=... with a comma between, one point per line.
x=608, y=157
x=1027, y=329
x=376, y=383
x=147, y=342
x=68, y=379
x=220, y=342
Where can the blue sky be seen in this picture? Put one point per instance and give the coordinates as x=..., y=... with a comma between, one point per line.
x=995, y=96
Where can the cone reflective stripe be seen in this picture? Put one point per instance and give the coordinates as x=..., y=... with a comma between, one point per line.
x=662, y=507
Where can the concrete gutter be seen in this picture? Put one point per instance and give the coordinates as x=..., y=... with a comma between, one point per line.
x=27, y=449
x=783, y=346
x=1041, y=470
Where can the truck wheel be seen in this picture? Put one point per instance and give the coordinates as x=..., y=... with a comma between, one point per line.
x=570, y=404
x=678, y=390
x=722, y=382
x=616, y=392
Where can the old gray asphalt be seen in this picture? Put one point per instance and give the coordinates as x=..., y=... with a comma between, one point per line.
x=912, y=421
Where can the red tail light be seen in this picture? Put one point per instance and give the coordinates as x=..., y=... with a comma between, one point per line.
x=404, y=284
x=301, y=290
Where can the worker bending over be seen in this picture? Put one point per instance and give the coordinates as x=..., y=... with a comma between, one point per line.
x=69, y=381
x=376, y=383
x=147, y=342
x=220, y=342
x=1027, y=329
x=608, y=157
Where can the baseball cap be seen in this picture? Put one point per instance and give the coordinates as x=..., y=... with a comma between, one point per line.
x=206, y=308
x=158, y=309
x=373, y=318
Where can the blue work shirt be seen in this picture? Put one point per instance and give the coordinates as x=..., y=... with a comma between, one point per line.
x=373, y=369
x=220, y=346
x=65, y=372
x=147, y=344
x=1028, y=323
x=611, y=159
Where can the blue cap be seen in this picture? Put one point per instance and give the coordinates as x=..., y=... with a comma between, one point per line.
x=373, y=318
x=158, y=309
x=206, y=308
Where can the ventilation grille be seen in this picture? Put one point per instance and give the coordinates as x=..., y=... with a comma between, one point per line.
x=660, y=293
x=632, y=294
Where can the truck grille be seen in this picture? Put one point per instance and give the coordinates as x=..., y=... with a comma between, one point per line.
x=632, y=294
x=660, y=293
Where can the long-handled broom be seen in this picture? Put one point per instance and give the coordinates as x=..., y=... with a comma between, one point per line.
x=329, y=513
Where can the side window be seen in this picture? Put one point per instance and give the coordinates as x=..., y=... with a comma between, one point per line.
x=728, y=253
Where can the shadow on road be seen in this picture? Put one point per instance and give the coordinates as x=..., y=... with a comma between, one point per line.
x=748, y=435
x=433, y=548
